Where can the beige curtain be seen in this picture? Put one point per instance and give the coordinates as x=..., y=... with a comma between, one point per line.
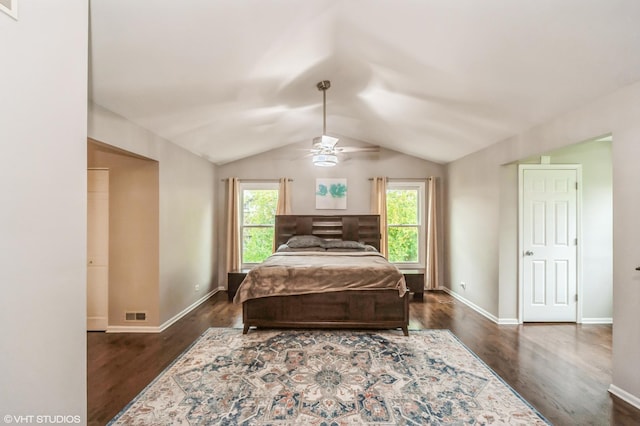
x=432, y=236
x=233, y=227
x=284, y=202
x=379, y=207
x=284, y=197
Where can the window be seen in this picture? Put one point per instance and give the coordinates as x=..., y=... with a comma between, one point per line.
x=258, y=202
x=405, y=223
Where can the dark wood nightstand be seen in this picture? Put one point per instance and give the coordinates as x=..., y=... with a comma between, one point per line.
x=234, y=279
x=415, y=282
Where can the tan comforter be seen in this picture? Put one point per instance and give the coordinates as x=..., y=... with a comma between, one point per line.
x=289, y=273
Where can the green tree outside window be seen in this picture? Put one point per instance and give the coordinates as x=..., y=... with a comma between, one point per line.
x=403, y=225
x=258, y=219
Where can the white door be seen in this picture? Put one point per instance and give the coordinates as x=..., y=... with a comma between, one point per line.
x=549, y=245
x=97, y=250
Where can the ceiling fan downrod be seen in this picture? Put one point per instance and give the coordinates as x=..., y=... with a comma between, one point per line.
x=324, y=86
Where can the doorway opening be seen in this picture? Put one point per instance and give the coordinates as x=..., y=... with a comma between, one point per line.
x=133, y=235
x=594, y=262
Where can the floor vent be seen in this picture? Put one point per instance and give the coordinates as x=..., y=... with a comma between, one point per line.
x=135, y=316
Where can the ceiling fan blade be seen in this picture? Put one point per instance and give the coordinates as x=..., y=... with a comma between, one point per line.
x=357, y=149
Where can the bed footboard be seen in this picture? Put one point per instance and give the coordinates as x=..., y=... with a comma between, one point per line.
x=375, y=309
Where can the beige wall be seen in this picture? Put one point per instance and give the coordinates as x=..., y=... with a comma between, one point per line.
x=186, y=191
x=188, y=242
x=291, y=162
x=43, y=106
x=481, y=214
x=133, y=234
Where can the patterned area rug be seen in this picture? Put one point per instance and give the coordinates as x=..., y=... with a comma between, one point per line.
x=328, y=378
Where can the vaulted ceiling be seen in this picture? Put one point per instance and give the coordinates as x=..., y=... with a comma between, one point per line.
x=227, y=79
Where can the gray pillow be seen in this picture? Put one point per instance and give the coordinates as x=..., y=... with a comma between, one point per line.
x=299, y=241
x=342, y=244
x=286, y=248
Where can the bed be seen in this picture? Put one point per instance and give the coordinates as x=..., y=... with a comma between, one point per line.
x=333, y=285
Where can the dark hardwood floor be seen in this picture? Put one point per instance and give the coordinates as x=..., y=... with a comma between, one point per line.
x=563, y=370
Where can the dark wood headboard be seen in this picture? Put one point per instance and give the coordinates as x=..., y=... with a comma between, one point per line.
x=363, y=228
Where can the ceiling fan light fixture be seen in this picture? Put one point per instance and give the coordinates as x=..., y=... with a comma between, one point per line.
x=325, y=142
x=325, y=160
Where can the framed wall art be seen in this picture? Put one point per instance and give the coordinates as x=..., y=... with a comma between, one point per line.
x=331, y=193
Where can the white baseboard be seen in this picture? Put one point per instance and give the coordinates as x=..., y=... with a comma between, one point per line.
x=132, y=329
x=508, y=321
x=186, y=310
x=625, y=396
x=472, y=305
x=597, y=321
x=165, y=325
x=512, y=321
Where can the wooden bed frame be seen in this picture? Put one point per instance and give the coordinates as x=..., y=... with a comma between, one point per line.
x=377, y=309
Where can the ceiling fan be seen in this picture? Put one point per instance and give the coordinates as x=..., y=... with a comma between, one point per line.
x=324, y=148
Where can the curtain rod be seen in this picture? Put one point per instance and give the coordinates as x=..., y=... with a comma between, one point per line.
x=407, y=179
x=256, y=180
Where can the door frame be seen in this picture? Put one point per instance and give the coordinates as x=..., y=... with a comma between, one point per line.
x=521, y=169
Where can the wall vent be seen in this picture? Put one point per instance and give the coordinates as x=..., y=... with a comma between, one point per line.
x=135, y=316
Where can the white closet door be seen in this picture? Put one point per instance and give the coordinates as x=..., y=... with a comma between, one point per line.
x=549, y=243
x=98, y=250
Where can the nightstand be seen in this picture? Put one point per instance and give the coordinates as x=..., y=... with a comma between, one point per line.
x=415, y=282
x=234, y=279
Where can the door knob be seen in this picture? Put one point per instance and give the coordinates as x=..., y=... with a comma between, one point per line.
x=528, y=253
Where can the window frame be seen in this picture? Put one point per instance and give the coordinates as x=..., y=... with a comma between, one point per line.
x=420, y=187
x=252, y=186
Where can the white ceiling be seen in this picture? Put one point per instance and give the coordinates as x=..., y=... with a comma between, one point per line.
x=227, y=79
